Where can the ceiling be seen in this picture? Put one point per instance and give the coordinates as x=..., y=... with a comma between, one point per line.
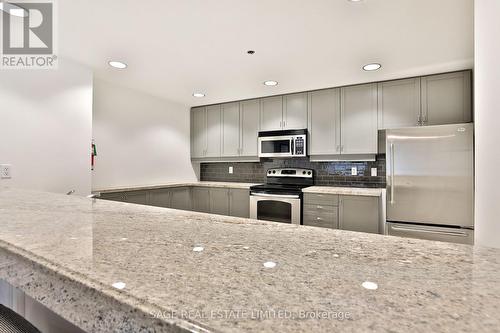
x=176, y=47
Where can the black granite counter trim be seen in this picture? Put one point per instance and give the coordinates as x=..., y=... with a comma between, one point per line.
x=327, y=173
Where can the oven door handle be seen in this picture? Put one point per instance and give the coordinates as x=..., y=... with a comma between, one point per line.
x=284, y=196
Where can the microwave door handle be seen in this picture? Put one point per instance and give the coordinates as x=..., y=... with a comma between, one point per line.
x=292, y=148
x=267, y=195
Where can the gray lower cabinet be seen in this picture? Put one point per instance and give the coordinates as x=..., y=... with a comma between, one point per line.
x=359, y=213
x=239, y=202
x=219, y=201
x=115, y=196
x=201, y=199
x=320, y=210
x=160, y=197
x=180, y=198
x=137, y=197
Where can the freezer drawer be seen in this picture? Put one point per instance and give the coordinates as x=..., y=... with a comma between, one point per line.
x=452, y=235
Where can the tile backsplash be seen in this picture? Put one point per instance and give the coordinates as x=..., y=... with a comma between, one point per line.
x=326, y=173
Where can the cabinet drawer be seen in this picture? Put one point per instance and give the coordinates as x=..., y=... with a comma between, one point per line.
x=319, y=209
x=321, y=199
x=324, y=219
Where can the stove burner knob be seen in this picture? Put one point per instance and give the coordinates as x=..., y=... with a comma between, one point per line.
x=303, y=172
x=269, y=172
x=274, y=171
x=308, y=172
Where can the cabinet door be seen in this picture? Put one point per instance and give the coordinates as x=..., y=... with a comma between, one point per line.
x=160, y=197
x=324, y=122
x=114, y=196
x=239, y=202
x=198, y=132
x=295, y=111
x=201, y=199
x=213, y=131
x=219, y=201
x=359, y=119
x=230, y=129
x=271, y=113
x=180, y=198
x=137, y=197
x=250, y=118
x=399, y=103
x=446, y=98
x=358, y=213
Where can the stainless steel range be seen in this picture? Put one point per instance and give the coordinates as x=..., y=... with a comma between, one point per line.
x=280, y=199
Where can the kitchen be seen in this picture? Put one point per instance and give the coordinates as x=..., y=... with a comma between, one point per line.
x=287, y=198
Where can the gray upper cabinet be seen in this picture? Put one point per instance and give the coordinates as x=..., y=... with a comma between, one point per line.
x=198, y=132
x=446, y=98
x=219, y=201
x=271, y=113
x=180, y=198
x=324, y=122
x=295, y=111
x=359, y=213
x=250, y=118
x=230, y=129
x=239, y=202
x=399, y=103
x=358, y=113
x=213, y=131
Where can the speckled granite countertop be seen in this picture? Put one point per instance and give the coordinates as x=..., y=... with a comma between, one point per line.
x=373, y=192
x=175, y=184
x=183, y=270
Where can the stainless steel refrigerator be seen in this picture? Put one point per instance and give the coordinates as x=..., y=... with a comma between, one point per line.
x=430, y=182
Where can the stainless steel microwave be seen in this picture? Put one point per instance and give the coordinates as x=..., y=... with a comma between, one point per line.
x=288, y=143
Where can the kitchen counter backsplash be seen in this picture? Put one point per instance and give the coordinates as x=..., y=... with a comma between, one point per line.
x=326, y=173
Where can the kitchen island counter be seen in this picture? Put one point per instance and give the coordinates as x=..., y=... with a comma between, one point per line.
x=109, y=266
x=175, y=184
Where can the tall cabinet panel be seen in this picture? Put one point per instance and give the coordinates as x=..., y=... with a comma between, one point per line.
x=324, y=122
x=358, y=213
x=198, y=132
x=213, y=131
x=446, y=98
x=250, y=118
x=295, y=111
x=358, y=112
x=399, y=103
x=271, y=117
x=230, y=129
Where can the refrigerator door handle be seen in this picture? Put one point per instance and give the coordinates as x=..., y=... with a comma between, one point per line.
x=425, y=230
x=392, y=173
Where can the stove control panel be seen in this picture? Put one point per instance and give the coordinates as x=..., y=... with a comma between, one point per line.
x=290, y=172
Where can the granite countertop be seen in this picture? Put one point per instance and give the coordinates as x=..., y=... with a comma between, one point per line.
x=175, y=184
x=110, y=266
x=373, y=192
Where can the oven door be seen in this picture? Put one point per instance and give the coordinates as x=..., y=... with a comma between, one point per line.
x=276, y=146
x=275, y=207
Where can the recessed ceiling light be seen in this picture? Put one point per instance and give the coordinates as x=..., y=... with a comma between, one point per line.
x=117, y=64
x=251, y=52
x=354, y=0
x=372, y=67
x=198, y=94
x=271, y=83
x=13, y=10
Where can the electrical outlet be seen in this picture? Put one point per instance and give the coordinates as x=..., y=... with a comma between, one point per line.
x=5, y=171
x=354, y=171
x=374, y=172
x=230, y=169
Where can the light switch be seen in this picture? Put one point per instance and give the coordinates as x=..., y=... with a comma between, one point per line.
x=354, y=171
x=5, y=171
x=230, y=169
x=374, y=172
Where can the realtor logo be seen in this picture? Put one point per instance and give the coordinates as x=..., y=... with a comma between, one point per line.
x=28, y=35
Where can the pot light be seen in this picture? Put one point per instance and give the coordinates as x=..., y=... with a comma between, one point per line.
x=271, y=83
x=198, y=94
x=372, y=67
x=117, y=64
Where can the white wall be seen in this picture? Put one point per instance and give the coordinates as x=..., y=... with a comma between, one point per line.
x=140, y=139
x=46, y=128
x=487, y=119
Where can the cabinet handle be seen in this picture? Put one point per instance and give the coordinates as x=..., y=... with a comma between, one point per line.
x=319, y=218
x=419, y=120
x=319, y=207
x=284, y=124
x=341, y=148
x=424, y=120
x=338, y=147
